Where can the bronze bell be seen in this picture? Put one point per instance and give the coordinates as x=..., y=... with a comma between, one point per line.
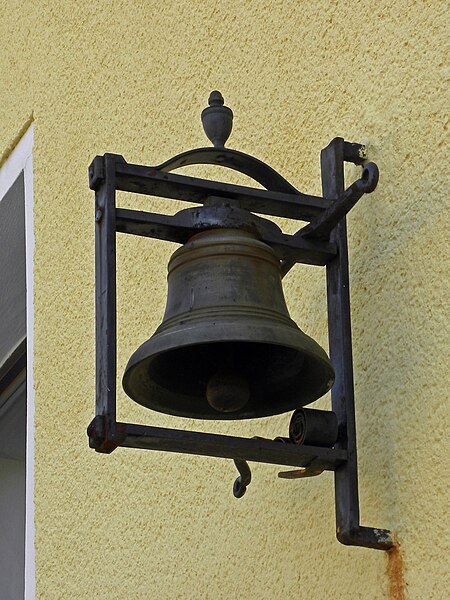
x=227, y=348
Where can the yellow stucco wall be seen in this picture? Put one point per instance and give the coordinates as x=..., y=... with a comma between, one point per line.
x=131, y=78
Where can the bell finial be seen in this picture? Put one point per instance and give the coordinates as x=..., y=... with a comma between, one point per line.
x=217, y=120
x=215, y=98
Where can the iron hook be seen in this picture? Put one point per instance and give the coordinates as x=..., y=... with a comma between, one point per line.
x=245, y=476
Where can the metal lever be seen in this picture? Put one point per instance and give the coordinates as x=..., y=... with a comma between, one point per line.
x=299, y=473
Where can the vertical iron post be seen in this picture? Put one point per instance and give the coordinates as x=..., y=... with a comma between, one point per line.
x=102, y=180
x=348, y=529
x=339, y=333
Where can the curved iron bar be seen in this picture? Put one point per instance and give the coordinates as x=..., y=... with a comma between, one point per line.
x=235, y=160
x=245, y=476
x=322, y=226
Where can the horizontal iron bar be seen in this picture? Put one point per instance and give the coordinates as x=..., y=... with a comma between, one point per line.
x=223, y=446
x=146, y=180
x=309, y=252
x=172, y=229
x=153, y=225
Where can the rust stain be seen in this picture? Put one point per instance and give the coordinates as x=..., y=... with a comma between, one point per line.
x=396, y=573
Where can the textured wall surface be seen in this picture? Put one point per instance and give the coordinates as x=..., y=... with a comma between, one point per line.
x=131, y=78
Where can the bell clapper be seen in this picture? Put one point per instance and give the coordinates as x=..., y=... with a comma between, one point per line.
x=227, y=390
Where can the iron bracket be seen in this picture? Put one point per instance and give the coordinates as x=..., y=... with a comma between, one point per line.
x=322, y=242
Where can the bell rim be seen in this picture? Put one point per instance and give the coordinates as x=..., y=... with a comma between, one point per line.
x=292, y=337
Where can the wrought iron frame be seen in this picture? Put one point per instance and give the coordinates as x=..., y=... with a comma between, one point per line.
x=322, y=242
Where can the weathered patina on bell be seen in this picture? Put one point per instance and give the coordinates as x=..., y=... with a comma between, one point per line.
x=227, y=348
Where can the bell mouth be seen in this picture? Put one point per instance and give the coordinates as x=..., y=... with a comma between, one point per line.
x=178, y=380
x=260, y=367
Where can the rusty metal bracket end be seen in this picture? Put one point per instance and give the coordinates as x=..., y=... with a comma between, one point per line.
x=367, y=537
x=101, y=438
x=355, y=153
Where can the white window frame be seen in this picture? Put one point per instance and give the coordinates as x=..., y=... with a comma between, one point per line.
x=21, y=160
